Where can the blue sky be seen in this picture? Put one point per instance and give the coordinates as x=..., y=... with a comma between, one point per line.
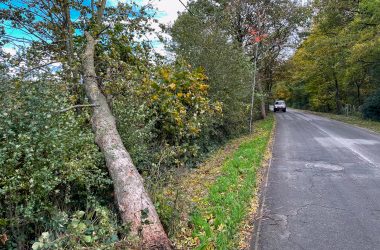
x=167, y=13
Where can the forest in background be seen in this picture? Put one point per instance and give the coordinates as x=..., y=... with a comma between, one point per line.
x=337, y=66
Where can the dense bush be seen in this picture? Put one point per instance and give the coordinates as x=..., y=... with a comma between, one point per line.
x=50, y=168
x=167, y=122
x=208, y=44
x=91, y=229
x=371, y=107
x=54, y=187
x=164, y=120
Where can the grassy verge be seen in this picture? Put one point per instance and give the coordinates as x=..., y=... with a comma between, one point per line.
x=354, y=120
x=217, y=197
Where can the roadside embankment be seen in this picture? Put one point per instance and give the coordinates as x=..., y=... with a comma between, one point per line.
x=216, y=201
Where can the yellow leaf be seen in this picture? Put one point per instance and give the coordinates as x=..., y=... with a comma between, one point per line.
x=210, y=246
x=165, y=74
x=172, y=86
x=203, y=87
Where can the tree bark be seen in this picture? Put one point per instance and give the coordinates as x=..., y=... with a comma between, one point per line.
x=72, y=74
x=337, y=95
x=262, y=100
x=358, y=93
x=132, y=200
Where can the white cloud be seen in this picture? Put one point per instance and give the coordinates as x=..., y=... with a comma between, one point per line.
x=169, y=9
x=114, y=2
x=167, y=13
x=10, y=50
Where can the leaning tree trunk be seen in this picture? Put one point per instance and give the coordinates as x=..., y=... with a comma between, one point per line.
x=134, y=204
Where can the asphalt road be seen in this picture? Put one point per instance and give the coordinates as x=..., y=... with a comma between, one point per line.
x=323, y=188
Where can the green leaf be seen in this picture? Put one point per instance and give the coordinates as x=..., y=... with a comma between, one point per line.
x=37, y=245
x=87, y=239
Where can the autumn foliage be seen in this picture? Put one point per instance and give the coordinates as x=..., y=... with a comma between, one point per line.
x=180, y=99
x=256, y=35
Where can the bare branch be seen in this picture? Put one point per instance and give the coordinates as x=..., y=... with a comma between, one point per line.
x=76, y=106
x=103, y=30
x=38, y=67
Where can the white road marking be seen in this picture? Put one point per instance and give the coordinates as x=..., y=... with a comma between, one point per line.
x=345, y=143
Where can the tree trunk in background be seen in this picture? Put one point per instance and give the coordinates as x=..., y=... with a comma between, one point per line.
x=72, y=72
x=358, y=93
x=337, y=95
x=132, y=200
x=262, y=100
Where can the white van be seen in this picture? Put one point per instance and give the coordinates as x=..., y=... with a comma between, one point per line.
x=279, y=105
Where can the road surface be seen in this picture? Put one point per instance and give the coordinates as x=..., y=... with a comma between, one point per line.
x=323, y=188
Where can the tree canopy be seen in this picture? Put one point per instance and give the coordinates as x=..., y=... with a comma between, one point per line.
x=337, y=65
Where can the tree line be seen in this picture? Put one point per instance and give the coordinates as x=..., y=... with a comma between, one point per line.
x=336, y=67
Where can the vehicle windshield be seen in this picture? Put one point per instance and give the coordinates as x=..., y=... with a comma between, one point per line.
x=280, y=102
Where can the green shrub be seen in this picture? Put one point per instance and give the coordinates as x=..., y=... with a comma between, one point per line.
x=165, y=119
x=182, y=111
x=49, y=163
x=94, y=229
x=371, y=107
